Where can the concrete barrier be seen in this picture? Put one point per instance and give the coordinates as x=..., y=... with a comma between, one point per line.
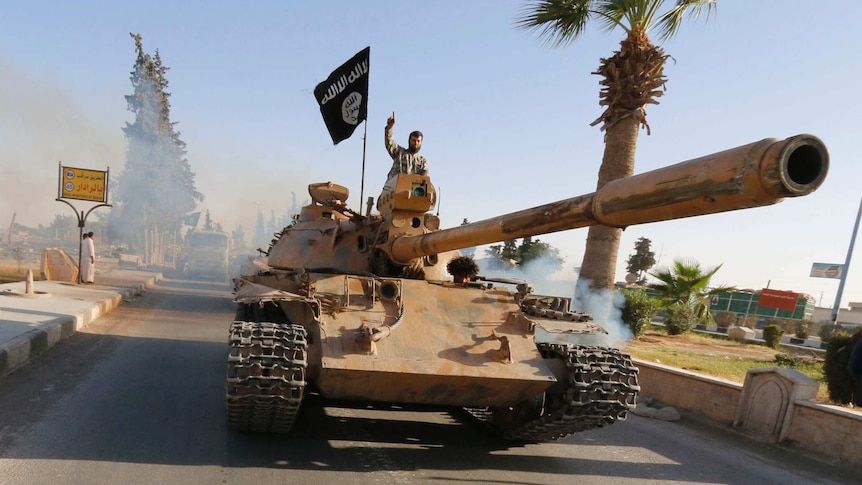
x=707, y=396
x=56, y=265
x=830, y=431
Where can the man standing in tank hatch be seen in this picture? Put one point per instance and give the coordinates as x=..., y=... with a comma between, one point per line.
x=405, y=160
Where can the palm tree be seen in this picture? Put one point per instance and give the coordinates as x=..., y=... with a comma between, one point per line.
x=632, y=78
x=686, y=286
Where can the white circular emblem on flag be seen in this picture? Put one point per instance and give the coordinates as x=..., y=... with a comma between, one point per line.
x=350, y=108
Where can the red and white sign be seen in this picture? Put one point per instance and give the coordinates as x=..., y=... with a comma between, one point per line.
x=783, y=300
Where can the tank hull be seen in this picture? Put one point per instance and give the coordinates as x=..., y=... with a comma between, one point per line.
x=446, y=349
x=525, y=365
x=454, y=345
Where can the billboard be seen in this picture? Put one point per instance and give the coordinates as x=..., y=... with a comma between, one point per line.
x=827, y=270
x=782, y=300
x=83, y=184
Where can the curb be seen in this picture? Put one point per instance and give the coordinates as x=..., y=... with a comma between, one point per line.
x=18, y=351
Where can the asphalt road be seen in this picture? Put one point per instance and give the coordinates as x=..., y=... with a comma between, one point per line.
x=137, y=397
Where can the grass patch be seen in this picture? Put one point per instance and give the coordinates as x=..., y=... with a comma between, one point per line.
x=717, y=356
x=729, y=367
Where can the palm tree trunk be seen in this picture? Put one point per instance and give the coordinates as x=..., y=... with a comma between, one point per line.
x=603, y=242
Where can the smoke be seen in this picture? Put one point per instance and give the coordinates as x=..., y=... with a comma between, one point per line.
x=605, y=305
x=44, y=121
x=41, y=124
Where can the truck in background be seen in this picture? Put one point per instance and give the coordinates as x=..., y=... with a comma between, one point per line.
x=206, y=254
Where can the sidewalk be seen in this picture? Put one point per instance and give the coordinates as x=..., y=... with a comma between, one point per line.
x=32, y=323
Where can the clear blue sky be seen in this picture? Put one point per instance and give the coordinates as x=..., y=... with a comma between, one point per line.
x=506, y=118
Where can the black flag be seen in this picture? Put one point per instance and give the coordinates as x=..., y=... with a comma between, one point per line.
x=343, y=97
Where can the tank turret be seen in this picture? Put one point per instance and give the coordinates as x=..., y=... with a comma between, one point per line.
x=404, y=238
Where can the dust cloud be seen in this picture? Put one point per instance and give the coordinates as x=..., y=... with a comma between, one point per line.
x=44, y=122
x=41, y=124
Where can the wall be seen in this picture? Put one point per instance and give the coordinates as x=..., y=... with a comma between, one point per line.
x=831, y=431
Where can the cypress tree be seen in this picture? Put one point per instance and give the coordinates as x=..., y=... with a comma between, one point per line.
x=157, y=187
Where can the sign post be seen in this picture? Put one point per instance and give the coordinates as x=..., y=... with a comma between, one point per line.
x=837, y=304
x=838, y=271
x=83, y=184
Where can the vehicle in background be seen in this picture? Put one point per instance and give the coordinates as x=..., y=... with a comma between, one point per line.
x=206, y=254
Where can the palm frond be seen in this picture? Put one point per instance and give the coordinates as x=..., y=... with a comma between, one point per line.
x=669, y=23
x=558, y=22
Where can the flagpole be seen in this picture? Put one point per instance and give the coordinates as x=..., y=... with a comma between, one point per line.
x=343, y=95
x=365, y=141
x=362, y=189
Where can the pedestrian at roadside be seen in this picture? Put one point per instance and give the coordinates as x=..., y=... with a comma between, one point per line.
x=405, y=160
x=88, y=259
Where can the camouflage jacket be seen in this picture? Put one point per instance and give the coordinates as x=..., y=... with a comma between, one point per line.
x=402, y=160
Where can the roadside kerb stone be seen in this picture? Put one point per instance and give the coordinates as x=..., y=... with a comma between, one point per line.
x=29, y=326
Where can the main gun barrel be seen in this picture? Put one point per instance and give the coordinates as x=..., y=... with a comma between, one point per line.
x=753, y=175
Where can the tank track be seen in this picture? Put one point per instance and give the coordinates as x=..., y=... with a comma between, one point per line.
x=602, y=388
x=265, y=375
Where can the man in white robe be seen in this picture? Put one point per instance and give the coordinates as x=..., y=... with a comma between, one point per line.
x=88, y=259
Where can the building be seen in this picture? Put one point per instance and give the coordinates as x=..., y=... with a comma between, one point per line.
x=848, y=317
x=747, y=303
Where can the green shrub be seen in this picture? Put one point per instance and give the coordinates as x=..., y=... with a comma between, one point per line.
x=679, y=319
x=802, y=329
x=826, y=331
x=838, y=381
x=723, y=318
x=787, y=360
x=749, y=321
x=779, y=322
x=638, y=310
x=772, y=334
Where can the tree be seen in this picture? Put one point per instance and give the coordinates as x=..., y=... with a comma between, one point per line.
x=61, y=228
x=684, y=288
x=632, y=78
x=157, y=187
x=530, y=251
x=240, y=244
x=272, y=226
x=504, y=255
x=642, y=260
x=471, y=251
x=514, y=255
x=208, y=221
x=261, y=238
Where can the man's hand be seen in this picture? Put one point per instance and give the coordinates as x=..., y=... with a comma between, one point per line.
x=391, y=121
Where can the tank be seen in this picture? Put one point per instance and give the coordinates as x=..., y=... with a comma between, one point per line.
x=358, y=306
